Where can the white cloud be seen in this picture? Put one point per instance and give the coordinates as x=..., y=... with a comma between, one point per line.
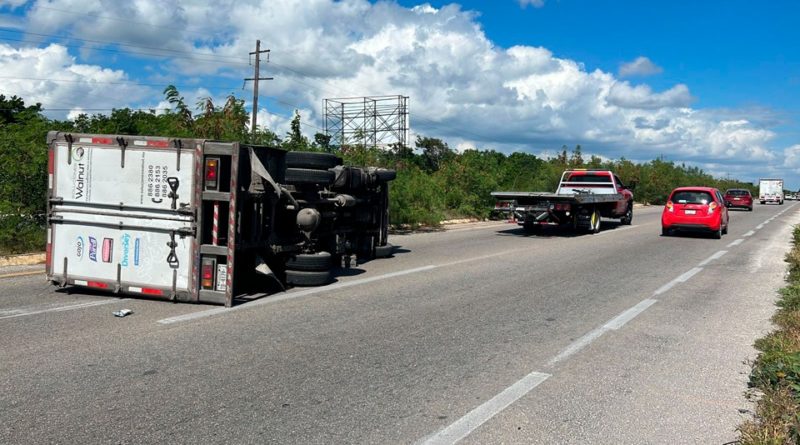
x=624, y=95
x=791, y=158
x=534, y=3
x=52, y=77
x=463, y=88
x=642, y=66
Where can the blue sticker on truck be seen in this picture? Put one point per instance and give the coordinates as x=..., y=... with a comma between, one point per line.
x=93, y=249
x=136, y=252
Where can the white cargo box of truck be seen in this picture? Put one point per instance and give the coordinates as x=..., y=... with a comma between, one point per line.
x=152, y=215
x=770, y=190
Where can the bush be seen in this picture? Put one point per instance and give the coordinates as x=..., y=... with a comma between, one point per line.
x=414, y=199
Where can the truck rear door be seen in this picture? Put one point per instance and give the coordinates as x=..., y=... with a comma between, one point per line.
x=121, y=213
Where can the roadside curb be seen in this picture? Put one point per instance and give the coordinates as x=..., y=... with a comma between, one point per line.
x=22, y=260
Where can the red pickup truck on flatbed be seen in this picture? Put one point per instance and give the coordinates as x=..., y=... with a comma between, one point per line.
x=582, y=198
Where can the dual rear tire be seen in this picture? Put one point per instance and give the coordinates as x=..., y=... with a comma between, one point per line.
x=309, y=269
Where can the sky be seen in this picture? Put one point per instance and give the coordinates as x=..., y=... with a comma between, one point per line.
x=712, y=84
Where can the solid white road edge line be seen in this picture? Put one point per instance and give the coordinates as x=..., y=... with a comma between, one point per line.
x=462, y=427
x=24, y=313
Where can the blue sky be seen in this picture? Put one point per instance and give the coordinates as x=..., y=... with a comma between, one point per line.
x=730, y=53
x=710, y=83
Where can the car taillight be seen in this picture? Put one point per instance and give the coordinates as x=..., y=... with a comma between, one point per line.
x=207, y=273
x=212, y=170
x=670, y=206
x=711, y=207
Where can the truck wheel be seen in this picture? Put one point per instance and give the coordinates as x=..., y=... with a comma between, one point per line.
x=594, y=222
x=312, y=262
x=628, y=218
x=301, y=176
x=308, y=278
x=384, y=251
x=385, y=175
x=307, y=159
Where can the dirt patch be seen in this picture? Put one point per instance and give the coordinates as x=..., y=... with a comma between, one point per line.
x=22, y=260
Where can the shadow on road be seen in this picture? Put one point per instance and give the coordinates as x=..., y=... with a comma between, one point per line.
x=556, y=231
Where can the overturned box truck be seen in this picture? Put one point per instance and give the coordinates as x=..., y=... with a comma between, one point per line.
x=203, y=221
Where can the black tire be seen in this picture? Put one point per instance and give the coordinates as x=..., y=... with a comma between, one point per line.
x=302, y=176
x=385, y=175
x=384, y=251
x=307, y=159
x=628, y=218
x=725, y=230
x=311, y=262
x=718, y=233
x=308, y=278
x=665, y=231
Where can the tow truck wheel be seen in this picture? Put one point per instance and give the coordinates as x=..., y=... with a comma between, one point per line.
x=594, y=222
x=628, y=218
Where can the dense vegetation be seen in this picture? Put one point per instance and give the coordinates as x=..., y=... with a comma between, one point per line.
x=776, y=372
x=434, y=182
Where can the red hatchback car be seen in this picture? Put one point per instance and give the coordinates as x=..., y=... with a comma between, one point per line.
x=739, y=198
x=695, y=209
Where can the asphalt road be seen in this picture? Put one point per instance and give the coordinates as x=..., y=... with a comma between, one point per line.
x=480, y=334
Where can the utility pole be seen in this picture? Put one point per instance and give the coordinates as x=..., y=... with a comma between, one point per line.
x=255, y=80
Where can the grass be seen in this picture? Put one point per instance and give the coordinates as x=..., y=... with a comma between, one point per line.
x=21, y=235
x=775, y=377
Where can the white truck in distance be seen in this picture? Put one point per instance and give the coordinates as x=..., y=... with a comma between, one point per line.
x=770, y=190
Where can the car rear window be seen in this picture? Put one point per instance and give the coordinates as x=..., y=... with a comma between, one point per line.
x=692, y=197
x=738, y=192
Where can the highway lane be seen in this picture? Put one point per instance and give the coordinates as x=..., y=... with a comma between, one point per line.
x=429, y=345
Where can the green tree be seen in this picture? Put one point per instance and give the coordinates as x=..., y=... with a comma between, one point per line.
x=435, y=153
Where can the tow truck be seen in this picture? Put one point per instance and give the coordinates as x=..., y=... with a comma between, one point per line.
x=582, y=198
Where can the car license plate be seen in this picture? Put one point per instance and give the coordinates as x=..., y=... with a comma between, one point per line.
x=736, y=199
x=690, y=212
